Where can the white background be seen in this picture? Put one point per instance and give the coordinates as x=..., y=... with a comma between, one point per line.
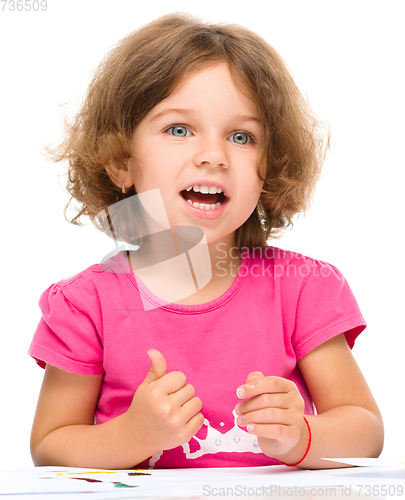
x=348, y=56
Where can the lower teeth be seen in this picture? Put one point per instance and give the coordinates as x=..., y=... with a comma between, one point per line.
x=204, y=206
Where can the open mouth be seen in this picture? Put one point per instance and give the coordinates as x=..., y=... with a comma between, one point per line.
x=204, y=197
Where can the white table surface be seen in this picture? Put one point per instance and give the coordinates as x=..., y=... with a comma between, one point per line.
x=59, y=483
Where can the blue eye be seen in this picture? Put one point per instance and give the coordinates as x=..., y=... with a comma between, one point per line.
x=178, y=131
x=241, y=138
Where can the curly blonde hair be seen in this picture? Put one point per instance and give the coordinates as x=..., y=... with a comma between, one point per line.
x=146, y=67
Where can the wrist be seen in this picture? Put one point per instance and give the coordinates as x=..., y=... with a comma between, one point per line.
x=128, y=440
x=298, y=454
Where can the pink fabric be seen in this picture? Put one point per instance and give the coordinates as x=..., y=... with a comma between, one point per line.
x=279, y=308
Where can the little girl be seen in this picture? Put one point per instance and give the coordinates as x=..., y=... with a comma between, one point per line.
x=250, y=366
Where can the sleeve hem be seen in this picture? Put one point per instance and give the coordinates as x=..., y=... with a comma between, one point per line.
x=44, y=356
x=351, y=327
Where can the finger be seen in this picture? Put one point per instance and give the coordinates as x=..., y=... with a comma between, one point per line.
x=254, y=375
x=157, y=368
x=279, y=438
x=191, y=408
x=277, y=432
x=184, y=394
x=264, y=385
x=262, y=401
x=195, y=423
x=172, y=382
x=267, y=416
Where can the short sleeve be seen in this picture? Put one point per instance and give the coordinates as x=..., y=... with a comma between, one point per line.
x=66, y=336
x=326, y=307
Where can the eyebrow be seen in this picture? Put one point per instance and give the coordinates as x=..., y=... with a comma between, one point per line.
x=191, y=112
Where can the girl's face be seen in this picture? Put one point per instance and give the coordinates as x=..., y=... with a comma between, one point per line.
x=200, y=147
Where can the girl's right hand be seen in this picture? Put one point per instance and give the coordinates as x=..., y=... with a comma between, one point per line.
x=164, y=413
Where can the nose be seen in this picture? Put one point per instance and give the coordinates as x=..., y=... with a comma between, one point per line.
x=211, y=151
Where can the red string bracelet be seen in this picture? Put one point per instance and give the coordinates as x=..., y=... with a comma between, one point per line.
x=306, y=451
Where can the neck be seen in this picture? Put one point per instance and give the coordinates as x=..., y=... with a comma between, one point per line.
x=225, y=257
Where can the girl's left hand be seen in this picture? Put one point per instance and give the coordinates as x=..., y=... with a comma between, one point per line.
x=273, y=411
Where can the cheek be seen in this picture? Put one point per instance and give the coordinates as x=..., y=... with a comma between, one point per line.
x=147, y=151
x=256, y=183
x=147, y=172
x=260, y=183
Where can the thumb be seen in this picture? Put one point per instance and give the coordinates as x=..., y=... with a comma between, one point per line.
x=253, y=376
x=157, y=367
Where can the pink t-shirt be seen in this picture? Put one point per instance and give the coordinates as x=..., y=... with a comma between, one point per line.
x=280, y=306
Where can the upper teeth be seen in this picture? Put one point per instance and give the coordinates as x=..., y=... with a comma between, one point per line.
x=205, y=189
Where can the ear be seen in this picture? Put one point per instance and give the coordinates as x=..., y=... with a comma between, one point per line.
x=119, y=173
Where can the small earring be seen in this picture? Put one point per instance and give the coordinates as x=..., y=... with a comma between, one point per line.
x=123, y=188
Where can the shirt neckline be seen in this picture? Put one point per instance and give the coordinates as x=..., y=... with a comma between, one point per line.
x=158, y=303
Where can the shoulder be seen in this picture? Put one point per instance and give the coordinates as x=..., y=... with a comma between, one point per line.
x=84, y=287
x=295, y=278
x=289, y=265
x=316, y=299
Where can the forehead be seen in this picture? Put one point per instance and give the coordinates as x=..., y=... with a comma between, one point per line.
x=213, y=85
